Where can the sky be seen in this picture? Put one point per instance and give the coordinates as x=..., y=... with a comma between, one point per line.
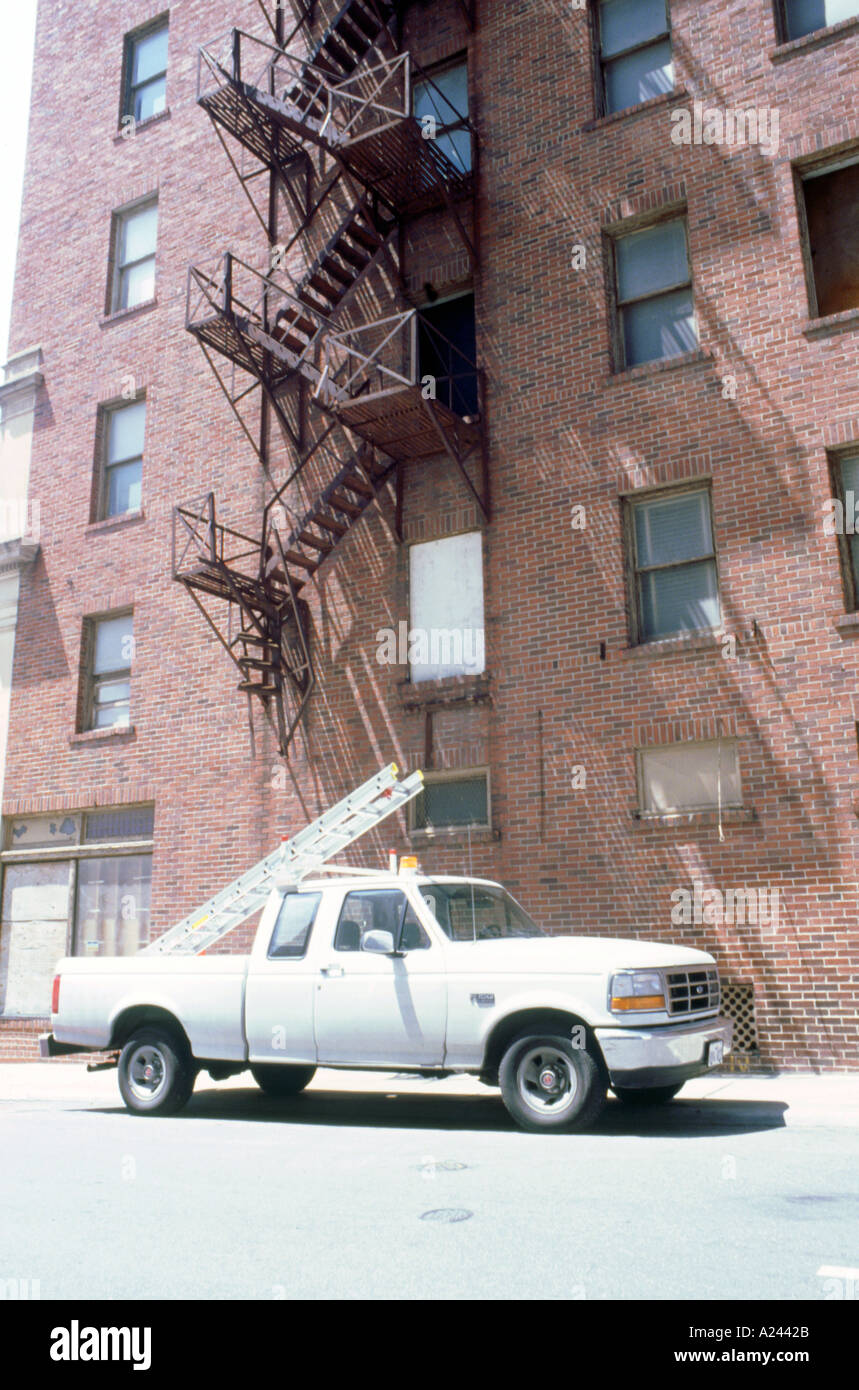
x=17, y=31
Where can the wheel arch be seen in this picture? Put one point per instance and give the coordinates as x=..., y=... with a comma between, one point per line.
x=537, y=1020
x=137, y=1016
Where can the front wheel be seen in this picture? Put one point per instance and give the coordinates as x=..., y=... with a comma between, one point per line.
x=547, y=1084
x=647, y=1095
x=156, y=1073
x=276, y=1080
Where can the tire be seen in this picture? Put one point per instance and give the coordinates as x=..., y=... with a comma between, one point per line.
x=573, y=1100
x=648, y=1095
x=168, y=1086
x=282, y=1081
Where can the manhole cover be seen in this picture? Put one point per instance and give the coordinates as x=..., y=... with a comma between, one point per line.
x=447, y=1214
x=444, y=1165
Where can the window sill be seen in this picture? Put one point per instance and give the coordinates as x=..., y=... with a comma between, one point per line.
x=641, y=108
x=114, y=523
x=842, y=322
x=454, y=836
x=816, y=39
x=450, y=690
x=665, y=820
x=122, y=731
x=847, y=624
x=661, y=364
x=118, y=314
x=120, y=138
x=708, y=640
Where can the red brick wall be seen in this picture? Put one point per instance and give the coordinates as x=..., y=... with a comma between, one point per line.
x=563, y=430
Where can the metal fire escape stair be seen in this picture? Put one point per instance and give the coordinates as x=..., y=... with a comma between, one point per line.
x=332, y=832
x=334, y=512
x=335, y=272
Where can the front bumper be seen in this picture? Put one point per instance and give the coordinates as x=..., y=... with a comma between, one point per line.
x=642, y=1057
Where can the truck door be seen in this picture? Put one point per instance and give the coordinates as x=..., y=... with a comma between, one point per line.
x=379, y=1009
x=280, y=987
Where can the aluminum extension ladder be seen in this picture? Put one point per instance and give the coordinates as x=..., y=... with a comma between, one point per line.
x=332, y=832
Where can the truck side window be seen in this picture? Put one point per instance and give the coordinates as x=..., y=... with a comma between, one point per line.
x=378, y=909
x=292, y=928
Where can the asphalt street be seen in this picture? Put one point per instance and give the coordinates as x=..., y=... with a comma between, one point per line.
x=419, y=1190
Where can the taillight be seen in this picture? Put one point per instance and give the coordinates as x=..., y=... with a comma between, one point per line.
x=55, y=996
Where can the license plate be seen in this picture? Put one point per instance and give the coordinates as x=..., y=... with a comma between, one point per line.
x=715, y=1053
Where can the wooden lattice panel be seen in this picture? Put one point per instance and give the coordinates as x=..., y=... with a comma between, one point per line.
x=738, y=1004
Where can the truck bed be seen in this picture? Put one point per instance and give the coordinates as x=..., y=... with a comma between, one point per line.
x=206, y=992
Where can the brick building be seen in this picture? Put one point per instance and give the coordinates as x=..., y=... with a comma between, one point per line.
x=595, y=584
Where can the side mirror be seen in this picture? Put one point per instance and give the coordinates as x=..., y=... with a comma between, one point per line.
x=381, y=942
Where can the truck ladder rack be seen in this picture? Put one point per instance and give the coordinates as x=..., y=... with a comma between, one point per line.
x=333, y=831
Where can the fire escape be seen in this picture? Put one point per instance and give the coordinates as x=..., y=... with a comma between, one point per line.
x=321, y=343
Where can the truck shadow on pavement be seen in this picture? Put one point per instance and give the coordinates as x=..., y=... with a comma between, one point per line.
x=396, y=1109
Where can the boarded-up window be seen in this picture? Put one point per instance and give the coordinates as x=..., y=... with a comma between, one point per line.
x=689, y=777
x=78, y=903
x=832, y=218
x=34, y=930
x=446, y=637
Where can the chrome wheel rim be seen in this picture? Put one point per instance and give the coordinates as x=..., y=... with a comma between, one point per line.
x=147, y=1072
x=546, y=1080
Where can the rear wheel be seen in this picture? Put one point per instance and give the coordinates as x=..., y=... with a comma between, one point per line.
x=156, y=1073
x=282, y=1080
x=547, y=1084
x=647, y=1095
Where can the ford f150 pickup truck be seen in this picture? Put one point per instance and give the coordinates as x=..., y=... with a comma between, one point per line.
x=401, y=971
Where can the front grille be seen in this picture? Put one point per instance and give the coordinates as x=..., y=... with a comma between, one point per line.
x=692, y=991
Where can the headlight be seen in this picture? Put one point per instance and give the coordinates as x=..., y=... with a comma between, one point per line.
x=639, y=991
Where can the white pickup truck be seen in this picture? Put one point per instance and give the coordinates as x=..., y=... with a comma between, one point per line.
x=401, y=971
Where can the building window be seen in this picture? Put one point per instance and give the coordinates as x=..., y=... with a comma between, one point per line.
x=845, y=478
x=636, y=63
x=110, y=647
x=689, y=777
x=145, y=93
x=673, y=564
x=134, y=237
x=446, y=636
x=441, y=105
x=830, y=202
x=447, y=352
x=121, y=430
x=653, y=283
x=800, y=17
x=73, y=884
x=452, y=799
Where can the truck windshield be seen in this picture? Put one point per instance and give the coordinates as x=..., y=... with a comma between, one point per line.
x=475, y=912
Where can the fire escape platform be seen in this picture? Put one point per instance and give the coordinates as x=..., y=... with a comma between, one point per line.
x=404, y=425
x=248, y=346
x=408, y=172
x=219, y=580
x=254, y=124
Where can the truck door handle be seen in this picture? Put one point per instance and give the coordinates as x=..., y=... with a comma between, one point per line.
x=332, y=970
